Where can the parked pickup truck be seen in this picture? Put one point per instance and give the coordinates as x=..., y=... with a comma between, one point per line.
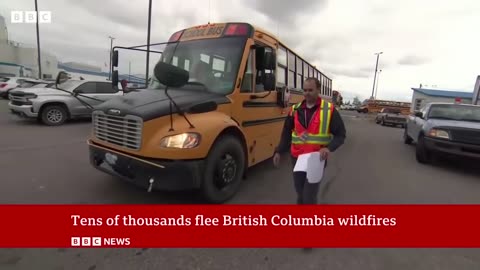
x=53, y=107
x=391, y=116
x=444, y=128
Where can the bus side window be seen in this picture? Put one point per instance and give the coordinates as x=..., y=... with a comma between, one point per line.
x=260, y=73
x=247, y=82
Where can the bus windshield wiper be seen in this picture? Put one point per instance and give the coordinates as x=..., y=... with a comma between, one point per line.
x=167, y=71
x=179, y=111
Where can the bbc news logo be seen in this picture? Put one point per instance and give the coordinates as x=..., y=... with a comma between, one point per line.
x=98, y=242
x=30, y=17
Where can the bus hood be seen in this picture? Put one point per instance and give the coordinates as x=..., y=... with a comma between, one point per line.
x=153, y=103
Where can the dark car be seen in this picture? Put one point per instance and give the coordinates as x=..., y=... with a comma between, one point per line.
x=391, y=116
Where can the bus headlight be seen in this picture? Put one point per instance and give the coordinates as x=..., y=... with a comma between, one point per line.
x=182, y=141
x=438, y=133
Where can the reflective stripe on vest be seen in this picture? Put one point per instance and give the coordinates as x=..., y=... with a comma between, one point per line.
x=323, y=137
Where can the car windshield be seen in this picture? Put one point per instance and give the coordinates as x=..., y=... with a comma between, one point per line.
x=212, y=63
x=455, y=112
x=4, y=79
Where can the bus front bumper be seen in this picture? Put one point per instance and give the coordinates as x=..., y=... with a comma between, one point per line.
x=167, y=175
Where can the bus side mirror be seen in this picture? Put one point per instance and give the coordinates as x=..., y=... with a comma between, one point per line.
x=171, y=75
x=269, y=61
x=269, y=82
x=61, y=78
x=115, y=78
x=283, y=97
x=115, y=59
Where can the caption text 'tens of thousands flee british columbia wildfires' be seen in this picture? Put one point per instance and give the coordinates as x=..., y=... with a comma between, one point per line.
x=228, y=220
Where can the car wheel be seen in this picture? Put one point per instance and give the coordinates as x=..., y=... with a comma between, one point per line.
x=422, y=154
x=54, y=115
x=406, y=138
x=224, y=170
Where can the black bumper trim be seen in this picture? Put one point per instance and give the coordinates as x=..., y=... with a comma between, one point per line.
x=168, y=175
x=451, y=147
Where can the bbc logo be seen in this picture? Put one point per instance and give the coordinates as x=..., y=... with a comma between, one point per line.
x=86, y=242
x=30, y=17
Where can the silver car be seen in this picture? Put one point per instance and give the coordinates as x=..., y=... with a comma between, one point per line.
x=53, y=107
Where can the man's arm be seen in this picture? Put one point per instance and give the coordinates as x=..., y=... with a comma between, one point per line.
x=286, y=138
x=337, y=127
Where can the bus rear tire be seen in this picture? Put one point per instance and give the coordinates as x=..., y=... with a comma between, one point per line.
x=224, y=170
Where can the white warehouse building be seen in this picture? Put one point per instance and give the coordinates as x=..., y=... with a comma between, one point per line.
x=422, y=96
x=21, y=60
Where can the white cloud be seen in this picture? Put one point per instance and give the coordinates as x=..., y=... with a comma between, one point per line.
x=430, y=42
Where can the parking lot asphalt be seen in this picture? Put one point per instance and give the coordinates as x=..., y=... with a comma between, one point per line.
x=40, y=164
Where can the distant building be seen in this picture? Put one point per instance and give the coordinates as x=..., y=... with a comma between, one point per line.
x=422, y=96
x=3, y=31
x=17, y=59
x=89, y=72
x=21, y=60
x=81, y=66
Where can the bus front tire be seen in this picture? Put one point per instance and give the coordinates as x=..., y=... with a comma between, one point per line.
x=224, y=170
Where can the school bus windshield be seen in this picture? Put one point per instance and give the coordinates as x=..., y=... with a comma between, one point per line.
x=212, y=63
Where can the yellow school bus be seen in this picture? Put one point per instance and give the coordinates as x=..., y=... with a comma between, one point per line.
x=215, y=107
x=376, y=105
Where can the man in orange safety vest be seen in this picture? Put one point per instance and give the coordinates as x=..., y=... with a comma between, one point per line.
x=313, y=125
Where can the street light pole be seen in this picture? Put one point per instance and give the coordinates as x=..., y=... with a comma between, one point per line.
x=375, y=76
x=148, y=40
x=378, y=79
x=110, y=66
x=38, y=44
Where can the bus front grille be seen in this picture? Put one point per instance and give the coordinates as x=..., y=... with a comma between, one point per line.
x=125, y=131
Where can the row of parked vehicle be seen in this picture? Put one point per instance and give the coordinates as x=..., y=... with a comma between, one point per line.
x=438, y=128
x=54, y=104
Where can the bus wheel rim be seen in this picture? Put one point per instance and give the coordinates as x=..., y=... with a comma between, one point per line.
x=226, y=171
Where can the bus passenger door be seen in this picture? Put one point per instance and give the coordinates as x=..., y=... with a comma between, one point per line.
x=256, y=107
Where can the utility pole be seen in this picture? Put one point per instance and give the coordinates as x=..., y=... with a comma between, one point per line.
x=111, y=52
x=148, y=39
x=375, y=76
x=38, y=45
x=476, y=91
x=378, y=79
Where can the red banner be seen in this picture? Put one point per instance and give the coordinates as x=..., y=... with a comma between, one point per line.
x=153, y=226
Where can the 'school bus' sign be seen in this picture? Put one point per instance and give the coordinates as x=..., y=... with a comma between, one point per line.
x=205, y=31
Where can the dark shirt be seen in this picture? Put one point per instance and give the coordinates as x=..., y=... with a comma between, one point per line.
x=337, y=128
